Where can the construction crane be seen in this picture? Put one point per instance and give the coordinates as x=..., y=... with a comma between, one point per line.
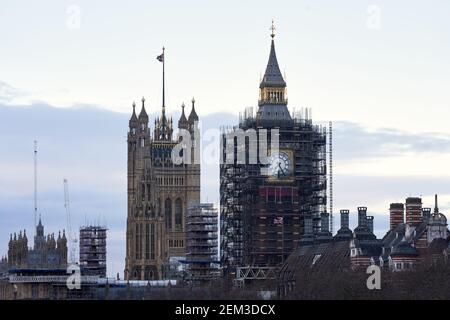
x=72, y=240
x=35, y=183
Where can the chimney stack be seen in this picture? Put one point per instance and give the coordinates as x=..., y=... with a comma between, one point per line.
x=426, y=213
x=324, y=234
x=308, y=236
x=325, y=222
x=396, y=213
x=362, y=217
x=344, y=233
x=370, y=223
x=344, y=219
x=413, y=211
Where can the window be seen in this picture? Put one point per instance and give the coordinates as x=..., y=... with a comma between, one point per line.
x=147, y=242
x=152, y=241
x=137, y=242
x=178, y=215
x=141, y=235
x=168, y=213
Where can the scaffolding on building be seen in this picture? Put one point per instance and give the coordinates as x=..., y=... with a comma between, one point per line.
x=252, y=233
x=202, y=244
x=93, y=250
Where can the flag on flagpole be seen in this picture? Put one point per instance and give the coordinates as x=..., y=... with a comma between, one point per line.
x=160, y=58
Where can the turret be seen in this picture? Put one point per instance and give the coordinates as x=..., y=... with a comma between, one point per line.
x=183, y=122
x=272, y=96
x=437, y=224
x=133, y=123
x=143, y=117
x=40, y=228
x=193, y=115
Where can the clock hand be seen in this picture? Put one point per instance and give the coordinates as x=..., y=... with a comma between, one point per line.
x=279, y=165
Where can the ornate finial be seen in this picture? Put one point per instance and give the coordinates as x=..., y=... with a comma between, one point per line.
x=182, y=105
x=193, y=100
x=143, y=100
x=272, y=28
x=134, y=105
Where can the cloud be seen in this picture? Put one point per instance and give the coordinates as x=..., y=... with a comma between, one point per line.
x=8, y=93
x=354, y=142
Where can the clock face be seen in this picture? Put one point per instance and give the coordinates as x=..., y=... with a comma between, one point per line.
x=280, y=165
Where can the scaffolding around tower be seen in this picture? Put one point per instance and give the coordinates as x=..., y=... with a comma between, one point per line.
x=258, y=231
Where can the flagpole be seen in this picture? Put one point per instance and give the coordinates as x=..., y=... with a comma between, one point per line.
x=164, y=85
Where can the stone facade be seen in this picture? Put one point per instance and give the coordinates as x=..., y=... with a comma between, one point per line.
x=159, y=192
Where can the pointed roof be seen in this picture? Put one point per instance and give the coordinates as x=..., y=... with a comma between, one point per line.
x=143, y=113
x=40, y=228
x=133, y=116
x=272, y=76
x=193, y=115
x=183, y=118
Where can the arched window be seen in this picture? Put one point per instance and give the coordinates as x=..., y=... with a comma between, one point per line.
x=159, y=207
x=149, y=274
x=168, y=213
x=178, y=215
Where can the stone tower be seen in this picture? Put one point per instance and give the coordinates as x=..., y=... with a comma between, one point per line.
x=159, y=193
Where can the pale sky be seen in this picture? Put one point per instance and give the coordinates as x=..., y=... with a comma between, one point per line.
x=379, y=63
x=378, y=69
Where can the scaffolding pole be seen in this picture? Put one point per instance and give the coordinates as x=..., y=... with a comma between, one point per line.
x=330, y=141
